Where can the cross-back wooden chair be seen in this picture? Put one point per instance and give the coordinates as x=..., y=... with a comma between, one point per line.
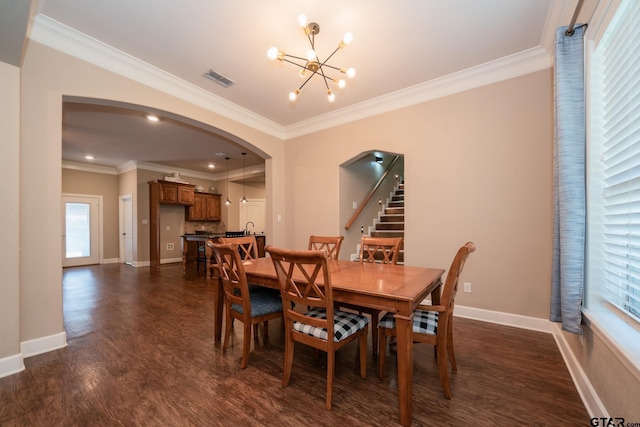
x=247, y=246
x=384, y=250
x=305, y=281
x=251, y=308
x=433, y=324
x=330, y=244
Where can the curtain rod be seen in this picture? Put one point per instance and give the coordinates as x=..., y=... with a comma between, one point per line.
x=570, y=31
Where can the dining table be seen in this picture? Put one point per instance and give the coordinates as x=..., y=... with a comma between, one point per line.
x=396, y=289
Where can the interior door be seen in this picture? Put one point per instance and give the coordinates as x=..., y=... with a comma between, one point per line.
x=255, y=211
x=81, y=230
x=128, y=229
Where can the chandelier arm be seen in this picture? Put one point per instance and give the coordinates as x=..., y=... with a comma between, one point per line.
x=328, y=58
x=332, y=67
x=295, y=63
x=306, y=81
x=286, y=55
x=324, y=77
x=312, y=40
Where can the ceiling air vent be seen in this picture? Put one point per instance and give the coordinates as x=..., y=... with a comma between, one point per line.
x=219, y=78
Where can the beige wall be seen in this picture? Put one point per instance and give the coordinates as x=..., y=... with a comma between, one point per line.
x=98, y=184
x=9, y=214
x=48, y=75
x=478, y=166
x=127, y=186
x=617, y=386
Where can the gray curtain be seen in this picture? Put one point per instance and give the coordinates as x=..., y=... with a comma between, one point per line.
x=567, y=282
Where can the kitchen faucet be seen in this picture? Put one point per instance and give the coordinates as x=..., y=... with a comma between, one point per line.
x=246, y=227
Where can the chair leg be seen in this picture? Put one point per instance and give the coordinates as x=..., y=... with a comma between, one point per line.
x=331, y=359
x=363, y=353
x=227, y=331
x=452, y=356
x=383, y=351
x=246, y=345
x=374, y=333
x=288, y=360
x=443, y=369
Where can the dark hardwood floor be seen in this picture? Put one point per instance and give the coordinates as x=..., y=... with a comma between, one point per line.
x=141, y=353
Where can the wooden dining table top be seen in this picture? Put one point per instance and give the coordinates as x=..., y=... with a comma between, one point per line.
x=374, y=285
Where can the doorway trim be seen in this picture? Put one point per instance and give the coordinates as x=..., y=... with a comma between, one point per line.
x=100, y=222
x=121, y=228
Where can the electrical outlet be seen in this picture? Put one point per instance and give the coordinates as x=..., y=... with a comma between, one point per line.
x=467, y=287
x=169, y=246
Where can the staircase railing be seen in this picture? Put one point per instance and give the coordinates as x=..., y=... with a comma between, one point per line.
x=367, y=199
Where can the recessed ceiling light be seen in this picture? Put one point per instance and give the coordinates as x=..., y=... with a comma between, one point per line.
x=89, y=157
x=211, y=166
x=152, y=118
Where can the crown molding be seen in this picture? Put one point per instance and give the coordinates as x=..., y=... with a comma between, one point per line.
x=131, y=165
x=85, y=167
x=519, y=64
x=155, y=167
x=56, y=35
x=65, y=39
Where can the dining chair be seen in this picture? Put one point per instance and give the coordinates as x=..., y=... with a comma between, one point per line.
x=250, y=308
x=247, y=245
x=383, y=250
x=330, y=244
x=201, y=254
x=305, y=282
x=433, y=324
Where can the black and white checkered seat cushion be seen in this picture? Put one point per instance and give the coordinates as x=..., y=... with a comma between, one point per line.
x=261, y=303
x=424, y=322
x=345, y=324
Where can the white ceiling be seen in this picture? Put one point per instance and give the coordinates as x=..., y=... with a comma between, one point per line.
x=404, y=52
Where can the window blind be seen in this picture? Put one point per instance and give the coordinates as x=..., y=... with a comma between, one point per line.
x=620, y=67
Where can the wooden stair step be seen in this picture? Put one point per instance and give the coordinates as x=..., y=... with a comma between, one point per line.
x=394, y=210
x=392, y=218
x=387, y=233
x=390, y=226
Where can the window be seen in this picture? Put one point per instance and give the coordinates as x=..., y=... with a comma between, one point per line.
x=614, y=208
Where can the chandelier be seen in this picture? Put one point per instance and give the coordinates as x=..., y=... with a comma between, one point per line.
x=311, y=64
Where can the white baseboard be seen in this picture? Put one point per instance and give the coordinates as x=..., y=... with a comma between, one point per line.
x=507, y=319
x=43, y=345
x=162, y=261
x=590, y=398
x=111, y=261
x=11, y=365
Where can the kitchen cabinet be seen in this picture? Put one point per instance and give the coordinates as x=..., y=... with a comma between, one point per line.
x=174, y=193
x=164, y=193
x=206, y=207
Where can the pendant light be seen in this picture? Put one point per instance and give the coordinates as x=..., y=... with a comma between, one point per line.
x=244, y=184
x=227, y=202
